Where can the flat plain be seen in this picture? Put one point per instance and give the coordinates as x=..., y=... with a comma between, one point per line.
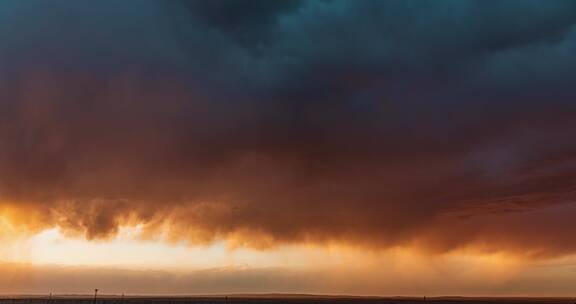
x=277, y=300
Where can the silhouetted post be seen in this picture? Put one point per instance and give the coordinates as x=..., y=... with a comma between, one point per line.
x=95, y=295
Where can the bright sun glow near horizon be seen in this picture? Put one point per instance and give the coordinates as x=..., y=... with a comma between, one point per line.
x=397, y=268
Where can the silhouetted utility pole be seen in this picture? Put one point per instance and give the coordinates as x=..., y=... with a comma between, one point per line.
x=95, y=295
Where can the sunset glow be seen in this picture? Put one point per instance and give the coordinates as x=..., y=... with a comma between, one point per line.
x=340, y=147
x=399, y=270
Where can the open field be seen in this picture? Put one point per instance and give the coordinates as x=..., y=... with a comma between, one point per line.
x=277, y=300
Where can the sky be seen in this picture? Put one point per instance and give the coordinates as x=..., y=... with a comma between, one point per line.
x=366, y=147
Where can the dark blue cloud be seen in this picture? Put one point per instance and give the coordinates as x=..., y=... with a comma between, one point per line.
x=355, y=120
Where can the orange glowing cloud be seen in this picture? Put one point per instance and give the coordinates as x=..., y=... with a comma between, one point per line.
x=200, y=131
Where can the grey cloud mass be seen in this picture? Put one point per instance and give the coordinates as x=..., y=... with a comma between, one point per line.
x=371, y=122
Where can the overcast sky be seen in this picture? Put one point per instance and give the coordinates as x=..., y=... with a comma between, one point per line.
x=440, y=126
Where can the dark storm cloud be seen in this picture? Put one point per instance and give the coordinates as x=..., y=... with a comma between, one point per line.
x=248, y=23
x=375, y=122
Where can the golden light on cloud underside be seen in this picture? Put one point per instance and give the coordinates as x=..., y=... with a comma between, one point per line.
x=51, y=247
x=12, y=221
x=183, y=242
x=399, y=269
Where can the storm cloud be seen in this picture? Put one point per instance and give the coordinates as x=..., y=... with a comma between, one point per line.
x=442, y=124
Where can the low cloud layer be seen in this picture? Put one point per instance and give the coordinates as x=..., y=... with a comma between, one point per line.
x=436, y=280
x=440, y=124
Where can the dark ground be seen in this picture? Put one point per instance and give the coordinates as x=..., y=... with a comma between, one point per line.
x=278, y=300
